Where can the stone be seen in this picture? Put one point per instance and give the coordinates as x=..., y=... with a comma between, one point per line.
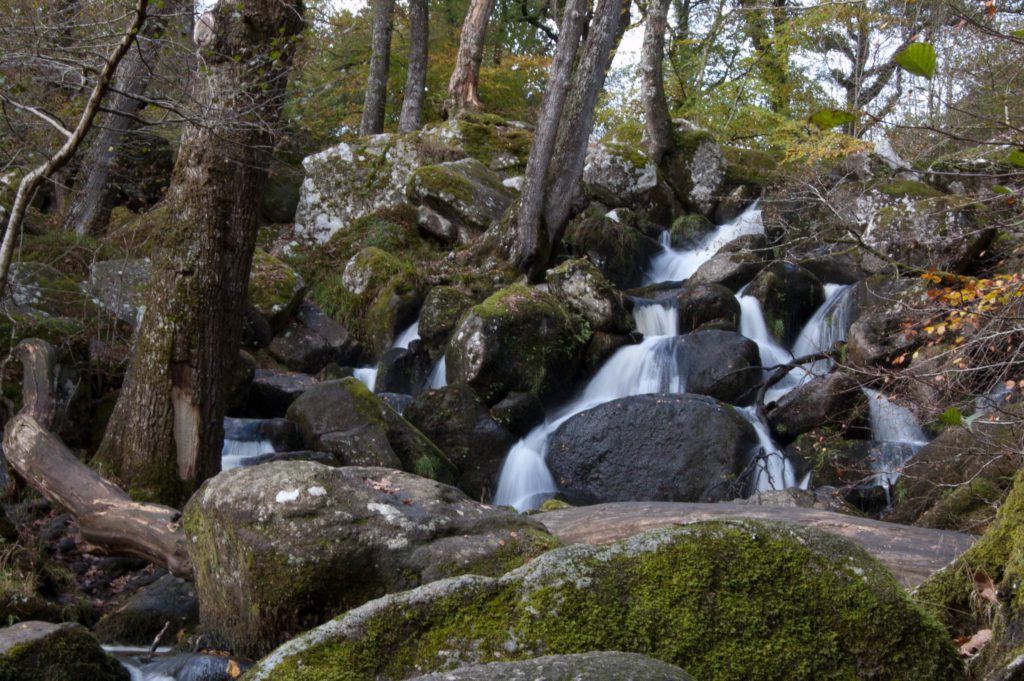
x=690, y=230
x=459, y=423
x=620, y=251
x=601, y=348
x=462, y=199
x=789, y=296
x=734, y=203
x=240, y=382
x=597, y=666
x=281, y=547
x=275, y=289
x=618, y=175
x=193, y=667
x=519, y=412
x=721, y=364
x=41, y=651
x=442, y=308
x=736, y=263
x=387, y=293
x=139, y=620
x=312, y=340
x=344, y=418
x=706, y=306
x=520, y=339
x=404, y=370
x=581, y=287
x=272, y=392
x=281, y=433
x=886, y=308
x=118, y=286
x=823, y=400
x=695, y=169
x=706, y=596
x=663, y=447
x=834, y=459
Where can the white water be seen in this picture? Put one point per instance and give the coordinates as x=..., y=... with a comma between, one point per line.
x=892, y=424
x=235, y=452
x=408, y=336
x=437, y=378
x=672, y=265
x=774, y=471
x=367, y=376
x=124, y=656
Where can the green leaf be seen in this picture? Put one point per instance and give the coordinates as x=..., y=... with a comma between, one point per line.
x=831, y=118
x=918, y=59
x=1019, y=33
x=1016, y=158
x=1000, y=189
x=951, y=417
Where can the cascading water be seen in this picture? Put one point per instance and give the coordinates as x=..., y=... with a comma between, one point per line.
x=437, y=378
x=242, y=440
x=773, y=471
x=897, y=433
x=408, y=336
x=367, y=376
x=673, y=265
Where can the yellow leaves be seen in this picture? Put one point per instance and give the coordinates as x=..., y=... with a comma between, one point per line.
x=233, y=670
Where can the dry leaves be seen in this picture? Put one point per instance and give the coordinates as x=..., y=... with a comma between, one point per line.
x=233, y=670
x=384, y=485
x=971, y=645
x=985, y=587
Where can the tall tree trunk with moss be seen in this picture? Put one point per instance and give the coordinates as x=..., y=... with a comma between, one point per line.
x=766, y=28
x=657, y=126
x=411, y=117
x=380, y=63
x=166, y=432
x=94, y=193
x=462, y=87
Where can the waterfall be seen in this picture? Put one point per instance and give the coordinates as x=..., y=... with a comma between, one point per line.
x=774, y=471
x=242, y=440
x=897, y=432
x=672, y=265
x=826, y=327
x=407, y=336
x=367, y=376
x=655, y=319
x=437, y=378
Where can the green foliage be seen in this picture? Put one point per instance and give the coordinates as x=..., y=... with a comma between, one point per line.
x=831, y=118
x=918, y=59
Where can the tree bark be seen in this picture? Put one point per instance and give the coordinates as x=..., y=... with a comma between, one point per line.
x=94, y=193
x=106, y=516
x=657, y=126
x=462, y=87
x=166, y=432
x=411, y=117
x=526, y=242
x=380, y=63
x=566, y=167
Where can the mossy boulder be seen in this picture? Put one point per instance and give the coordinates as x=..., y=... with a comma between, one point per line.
x=275, y=289
x=282, y=547
x=38, y=287
x=40, y=651
x=502, y=145
x=885, y=309
x=311, y=340
x=834, y=399
x=618, y=175
x=688, y=231
x=581, y=287
x=618, y=249
x=344, y=418
x=118, y=286
x=789, y=296
x=458, y=200
x=141, y=617
x=597, y=666
x=831, y=457
x=729, y=601
x=695, y=168
x=441, y=311
x=519, y=339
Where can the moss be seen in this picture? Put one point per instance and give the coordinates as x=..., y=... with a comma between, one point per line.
x=910, y=188
x=487, y=141
x=965, y=507
x=70, y=652
x=751, y=167
x=274, y=287
x=729, y=601
x=67, y=252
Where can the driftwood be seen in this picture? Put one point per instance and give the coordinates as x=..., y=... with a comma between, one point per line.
x=107, y=516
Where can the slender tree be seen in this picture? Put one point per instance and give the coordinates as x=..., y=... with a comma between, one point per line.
x=166, y=432
x=411, y=117
x=380, y=63
x=657, y=126
x=462, y=87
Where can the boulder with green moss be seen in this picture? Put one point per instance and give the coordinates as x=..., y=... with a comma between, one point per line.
x=441, y=311
x=583, y=289
x=789, y=295
x=282, y=547
x=118, y=286
x=729, y=601
x=458, y=200
x=36, y=287
x=275, y=289
x=617, y=248
x=347, y=420
x=618, y=174
x=695, y=168
x=690, y=230
x=519, y=339
x=40, y=651
x=379, y=295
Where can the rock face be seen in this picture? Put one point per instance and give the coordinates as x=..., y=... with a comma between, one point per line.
x=722, y=364
x=652, y=447
x=441, y=310
x=820, y=401
x=519, y=339
x=458, y=200
x=345, y=419
x=579, y=667
x=581, y=287
x=404, y=370
x=139, y=619
x=695, y=169
x=789, y=295
x=618, y=175
x=736, y=263
x=458, y=422
x=117, y=286
x=312, y=340
x=619, y=250
x=40, y=651
x=281, y=547
x=885, y=308
x=706, y=597
x=272, y=392
x=385, y=292
x=707, y=306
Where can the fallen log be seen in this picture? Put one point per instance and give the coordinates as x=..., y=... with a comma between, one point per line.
x=106, y=515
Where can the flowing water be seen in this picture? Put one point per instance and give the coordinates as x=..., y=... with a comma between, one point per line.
x=437, y=378
x=899, y=436
x=242, y=440
x=673, y=265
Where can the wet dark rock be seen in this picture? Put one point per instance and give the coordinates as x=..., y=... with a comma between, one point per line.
x=442, y=308
x=312, y=340
x=721, y=364
x=688, y=231
x=821, y=401
x=404, y=370
x=40, y=651
x=597, y=666
x=652, y=447
x=789, y=295
x=619, y=250
x=601, y=347
x=706, y=306
x=139, y=619
x=273, y=391
x=240, y=382
x=195, y=668
x=397, y=401
x=256, y=331
x=519, y=412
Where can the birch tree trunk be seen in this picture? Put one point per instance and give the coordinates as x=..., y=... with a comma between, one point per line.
x=166, y=432
x=411, y=117
x=657, y=126
x=380, y=63
x=462, y=87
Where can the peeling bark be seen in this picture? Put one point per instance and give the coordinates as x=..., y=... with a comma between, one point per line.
x=462, y=87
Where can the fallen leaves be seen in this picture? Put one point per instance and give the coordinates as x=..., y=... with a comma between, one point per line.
x=971, y=645
x=985, y=587
x=383, y=485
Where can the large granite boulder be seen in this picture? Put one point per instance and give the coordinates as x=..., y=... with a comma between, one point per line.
x=382, y=294
x=118, y=286
x=821, y=401
x=458, y=422
x=652, y=447
x=312, y=340
x=618, y=174
x=41, y=651
x=721, y=364
x=730, y=601
x=598, y=666
x=887, y=312
x=441, y=311
x=275, y=289
x=706, y=306
x=736, y=263
x=345, y=419
x=789, y=296
x=272, y=392
x=617, y=248
x=519, y=339
x=581, y=287
x=457, y=201
x=695, y=169
x=281, y=547
x=140, y=618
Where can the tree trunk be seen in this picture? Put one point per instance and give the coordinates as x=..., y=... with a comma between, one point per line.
x=411, y=117
x=462, y=87
x=166, y=432
x=94, y=192
x=526, y=242
x=764, y=28
x=106, y=515
x=380, y=63
x=566, y=167
x=657, y=125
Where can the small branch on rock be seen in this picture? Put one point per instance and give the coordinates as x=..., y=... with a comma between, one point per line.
x=779, y=371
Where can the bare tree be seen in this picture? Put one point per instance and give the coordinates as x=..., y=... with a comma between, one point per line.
x=462, y=87
x=166, y=432
x=411, y=117
x=380, y=63
x=657, y=126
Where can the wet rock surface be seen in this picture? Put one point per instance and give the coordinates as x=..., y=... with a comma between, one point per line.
x=580, y=667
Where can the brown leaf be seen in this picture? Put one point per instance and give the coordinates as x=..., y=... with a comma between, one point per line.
x=985, y=587
x=233, y=669
x=970, y=645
